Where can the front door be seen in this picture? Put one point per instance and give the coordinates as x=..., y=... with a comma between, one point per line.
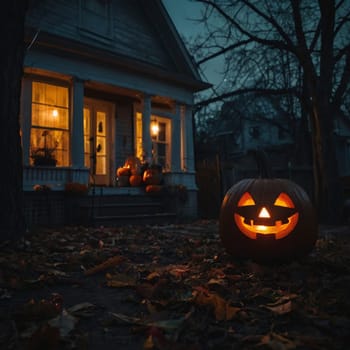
x=97, y=139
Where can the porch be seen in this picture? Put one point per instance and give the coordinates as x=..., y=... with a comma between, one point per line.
x=109, y=206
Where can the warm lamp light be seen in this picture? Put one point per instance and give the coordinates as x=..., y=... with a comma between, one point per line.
x=154, y=128
x=55, y=113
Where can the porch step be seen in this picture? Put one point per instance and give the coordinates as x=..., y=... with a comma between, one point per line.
x=135, y=219
x=125, y=209
x=120, y=209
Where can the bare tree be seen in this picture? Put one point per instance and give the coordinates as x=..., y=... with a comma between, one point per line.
x=12, y=17
x=259, y=39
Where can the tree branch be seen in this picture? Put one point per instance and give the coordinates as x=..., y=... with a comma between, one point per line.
x=226, y=95
x=224, y=50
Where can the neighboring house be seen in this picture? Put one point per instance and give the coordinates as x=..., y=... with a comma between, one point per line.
x=97, y=75
x=245, y=124
x=256, y=122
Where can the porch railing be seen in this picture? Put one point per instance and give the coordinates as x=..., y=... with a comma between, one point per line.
x=55, y=177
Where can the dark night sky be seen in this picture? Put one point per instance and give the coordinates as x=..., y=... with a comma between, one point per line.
x=183, y=13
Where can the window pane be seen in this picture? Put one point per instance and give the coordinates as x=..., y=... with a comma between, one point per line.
x=50, y=117
x=87, y=135
x=138, y=135
x=100, y=165
x=53, y=142
x=161, y=141
x=50, y=121
x=50, y=94
x=62, y=151
x=162, y=133
x=101, y=124
x=101, y=146
x=161, y=150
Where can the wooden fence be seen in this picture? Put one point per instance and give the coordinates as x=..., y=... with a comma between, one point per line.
x=215, y=177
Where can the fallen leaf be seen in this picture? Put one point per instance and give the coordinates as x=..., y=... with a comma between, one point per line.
x=64, y=322
x=222, y=310
x=152, y=276
x=120, y=280
x=169, y=324
x=111, y=262
x=282, y=306
x=216, y=281
x=179, y=270
x=82, y=310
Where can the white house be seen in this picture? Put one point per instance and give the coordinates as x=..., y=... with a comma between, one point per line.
x=97, y=75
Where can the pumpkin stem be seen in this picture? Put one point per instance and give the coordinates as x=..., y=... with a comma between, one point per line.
x=263, y=163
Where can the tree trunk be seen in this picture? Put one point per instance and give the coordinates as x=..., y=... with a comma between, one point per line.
x=331, y=198
x=327, y=186
x=331, y=201
x=12, y=15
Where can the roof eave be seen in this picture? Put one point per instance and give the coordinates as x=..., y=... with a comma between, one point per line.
x=70, y=48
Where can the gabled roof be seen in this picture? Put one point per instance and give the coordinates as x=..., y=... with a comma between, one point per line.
x=144, y=38
x=170, y=37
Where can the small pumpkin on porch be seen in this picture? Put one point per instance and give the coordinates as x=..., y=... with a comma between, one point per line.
x=135, y=180
x=153, y=188
x=123, y=171
x=134, y=164
x=267, y=219
x=153, y=175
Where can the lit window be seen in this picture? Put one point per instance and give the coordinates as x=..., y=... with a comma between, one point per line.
x=160, y=133
x=50, y=122
x=138, y=135
x=87, y=138
x=95, y=140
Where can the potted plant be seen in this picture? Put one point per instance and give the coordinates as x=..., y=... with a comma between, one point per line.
x=44, y=156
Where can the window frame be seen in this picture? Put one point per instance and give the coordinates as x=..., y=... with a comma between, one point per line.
x=166, y=165
x=57, y=83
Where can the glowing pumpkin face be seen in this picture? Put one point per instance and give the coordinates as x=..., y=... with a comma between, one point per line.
x=267, y=219
x=255, y=221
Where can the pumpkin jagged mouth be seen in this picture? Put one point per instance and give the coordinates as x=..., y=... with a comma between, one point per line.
x=279, y=230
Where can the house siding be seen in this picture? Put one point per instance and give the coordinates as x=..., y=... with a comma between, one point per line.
x=131, y=33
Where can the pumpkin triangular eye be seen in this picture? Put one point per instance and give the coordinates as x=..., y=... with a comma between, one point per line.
x=245, y=200
x=283, y=200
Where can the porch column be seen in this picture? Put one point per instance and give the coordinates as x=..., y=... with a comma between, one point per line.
x=176, y=136
x=188, y=162
x=77, y=132
x=146, y=125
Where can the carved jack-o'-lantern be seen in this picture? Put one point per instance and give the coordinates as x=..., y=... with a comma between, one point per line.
x=267, y=219
x=278, y=219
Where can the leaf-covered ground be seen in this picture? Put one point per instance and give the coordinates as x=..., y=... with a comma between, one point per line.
x=169, y=287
